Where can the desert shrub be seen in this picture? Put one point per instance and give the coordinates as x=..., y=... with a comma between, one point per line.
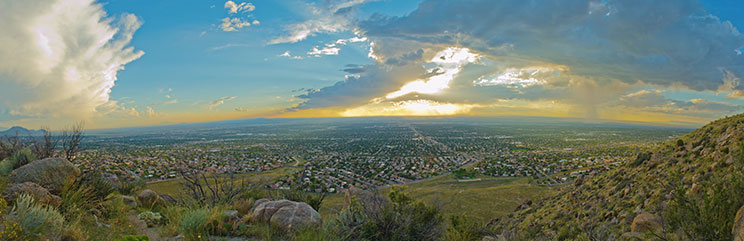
x=6, y=166
x=151, y=218
x=36, y=220
x=314, y=200
x=129, y=187
x=243, y=206
x=11, y=231
x=101, y=186
x=78, y=200
x=171, y=216
x=22, y=157
x=221, y=224
x=348, y=223
x=193, y=223
x=401, y=218
x=464, y=173
x=708, y=216
x=212, y=190
x=135, y=238
x=265, y=231
x=113, y=208
x=680, y=142
x=461, y=228
x=315, y=234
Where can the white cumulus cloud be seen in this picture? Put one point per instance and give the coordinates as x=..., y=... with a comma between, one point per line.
x=233, y=7
x=60, y=58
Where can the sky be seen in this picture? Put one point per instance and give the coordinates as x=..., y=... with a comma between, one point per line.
x=122, y=63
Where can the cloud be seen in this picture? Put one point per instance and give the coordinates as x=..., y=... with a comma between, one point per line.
x=233, y=24
x=60, y=58
x=234, y=8
x=655, y=101
x=335, y=47
x=289, y=55
x=330, y=17
x=582, y=54
x=220, y=101
x=324, y=51
x=625, y=40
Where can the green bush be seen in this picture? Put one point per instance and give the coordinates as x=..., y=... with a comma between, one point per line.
x=463, y=229
x=129, y=187
x=193, y=223
x=101, y=187
x=400, y=219
x=22, y=157
x=708, y=216
x=78, y=200
x=6, y=166
x=314, y=234
x=36, y=220
x=135, y=238
x=151, y=218
x=113, y=208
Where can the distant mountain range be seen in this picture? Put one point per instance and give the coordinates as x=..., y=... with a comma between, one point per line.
x=21, y=132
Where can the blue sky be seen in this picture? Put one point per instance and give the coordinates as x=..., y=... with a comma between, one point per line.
x=120, y=63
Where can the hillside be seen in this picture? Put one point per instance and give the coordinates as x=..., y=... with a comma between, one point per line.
x=689, y=188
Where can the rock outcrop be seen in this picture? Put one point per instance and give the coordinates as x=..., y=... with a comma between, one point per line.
x=51, y=173
x=738, y=229
x=39, y=193
x=645, y=222
x=147, y=198
x=285, y=214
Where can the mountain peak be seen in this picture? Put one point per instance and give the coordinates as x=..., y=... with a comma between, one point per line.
x=19, y=130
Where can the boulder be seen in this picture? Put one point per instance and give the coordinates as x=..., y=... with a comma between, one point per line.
x=39, y=193
x=645, y=222
x=128, y=200
x=738, y=228
x=285, y=214
x=51, y=173
x=231, y=215
x=147, y=198
x=166, y=199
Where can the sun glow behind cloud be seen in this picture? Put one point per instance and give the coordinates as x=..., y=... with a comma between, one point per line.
x=408, y=108
x=449, y=63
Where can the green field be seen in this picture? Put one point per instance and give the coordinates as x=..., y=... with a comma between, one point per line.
x=174, y=188
x=482, y=200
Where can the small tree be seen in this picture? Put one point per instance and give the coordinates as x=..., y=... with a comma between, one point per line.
x=46, y=145
x=71, y=139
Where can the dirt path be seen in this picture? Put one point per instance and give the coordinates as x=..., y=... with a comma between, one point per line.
x=142, y=228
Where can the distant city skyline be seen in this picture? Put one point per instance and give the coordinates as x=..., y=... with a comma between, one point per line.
x=126, y=63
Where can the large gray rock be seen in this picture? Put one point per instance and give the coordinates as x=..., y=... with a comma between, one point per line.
x=39, y=193
x=51, y=173
x=148, y=198
x=285, y=214
x=738, y=229
x=645, y=222
x=128, y=200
